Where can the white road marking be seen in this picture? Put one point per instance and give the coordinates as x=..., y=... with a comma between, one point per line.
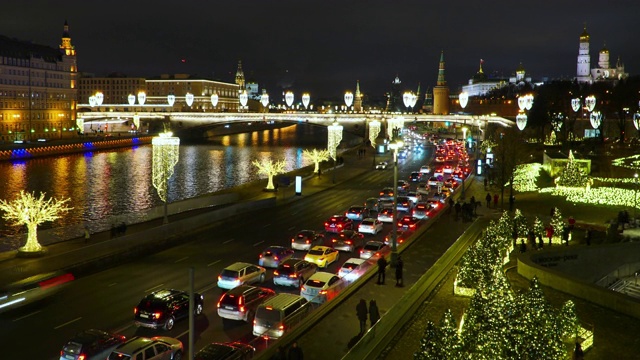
x=155, y=287
x=206, y=288
x=292, y=228
x=183, y=334
x=112, y=284
x=320, y=215
x=26, y=316
x=121, y=330
x=213, y=263
x=67, y=323
x=266, y=225
x=184, y=258
x=228, y=241
x=258, y=243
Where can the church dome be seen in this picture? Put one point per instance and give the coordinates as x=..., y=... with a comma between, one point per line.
x=604, y=50
x=585, y=35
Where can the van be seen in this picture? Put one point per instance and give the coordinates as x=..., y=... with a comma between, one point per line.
x=279, y=314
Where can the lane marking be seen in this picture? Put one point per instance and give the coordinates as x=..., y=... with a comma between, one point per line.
x=183, y=334
x=320, y=215
x=155, y=287
x=26, y=316
x=121, y=330
x=258, y=243
x=184, y=258
x=266, y=225
x=112, y=284
x=207, y=288
x=67, y=323
x=228, y=241
x=292, y=228
x=213, y=263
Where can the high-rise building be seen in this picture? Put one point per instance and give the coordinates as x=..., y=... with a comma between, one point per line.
x=38, y=89
x=441, y=91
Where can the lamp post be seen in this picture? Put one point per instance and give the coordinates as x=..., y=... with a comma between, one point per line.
x=394, y=246
x=464, y=139
x=406, y=99
x=334, y=134
x=635, y=197
x=165, y=157
x=348, y=99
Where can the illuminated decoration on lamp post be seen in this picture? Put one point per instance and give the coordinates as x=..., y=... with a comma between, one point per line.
x=636, y=120
x=348, y=99
x=142, y=97
x=166, y=150
x=590, y=103
x=214, y=100
x=413, y=101
x=80, y=124
x=575, y=104
x=374, y=131
x=394, y=125
x=334, y=134
x=406, y=99
x=131, y=99
x=395, y=146
x=243, y=98
x=464, y=99
x=31, y=211
x=525, y=103
x=136, y=121
x=171, y=99
x=288, y=98
x=528, y=101
x=556, y=122
x=93, y=101
x=99, y=98
x=188, y=98
x=306, y=98
x=521, y=121
x=596, y=119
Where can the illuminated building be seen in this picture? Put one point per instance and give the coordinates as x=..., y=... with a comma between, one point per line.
x=116, y=88
x=357, y=101
x=604, y=72
x=441, y=91
x=45, y=74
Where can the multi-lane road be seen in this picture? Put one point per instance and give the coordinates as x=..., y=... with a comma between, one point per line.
x=105, y=300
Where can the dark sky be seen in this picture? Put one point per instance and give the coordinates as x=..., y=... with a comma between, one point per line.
x=324, y=46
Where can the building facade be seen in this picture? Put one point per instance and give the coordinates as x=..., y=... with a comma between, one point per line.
x=38, y=90
x=604, y=71
x=441, y=91
x=115, y=88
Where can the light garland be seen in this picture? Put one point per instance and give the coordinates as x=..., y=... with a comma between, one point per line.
x=374, y=131
x=270, y=168
x=317, y=156
x=334, y=137
x=394, y=123
x=165, y=157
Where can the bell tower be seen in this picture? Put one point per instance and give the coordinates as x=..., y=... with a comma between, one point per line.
x=357, y=102
x=584, y=59
x=240, y=76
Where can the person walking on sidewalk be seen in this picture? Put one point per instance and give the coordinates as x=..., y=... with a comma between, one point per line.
x=374, y=313
x=488, y=198
x=295, y=353
x=495, y=200
x=361, y=312
x=87, y=235
x=587, y=236
x=399, y=268
x=382, y=265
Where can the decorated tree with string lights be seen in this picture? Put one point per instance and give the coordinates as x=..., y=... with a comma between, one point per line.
x=520, y=224
x=317, y=156
x=538, y=227
x=557, y=222
x=29, y=210
x=449, y=341
x=270, y=169
x=567, y=322
x=429, y=344
x=572, y=175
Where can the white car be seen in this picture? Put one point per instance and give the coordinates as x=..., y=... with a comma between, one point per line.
x=433, y=181
x=381, y=165
x=322, y=287
x=421, y=210
x=425, y=169
x=373, y=250
x=386, y=215
x=414, y=196
x=370, y=226
x=352, y=269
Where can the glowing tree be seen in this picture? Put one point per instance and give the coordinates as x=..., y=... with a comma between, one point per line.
x=449, y=341
x=165, y=157
x=568, y=324
x=572, y=175
x=31, y=211
x=557, y=223
x=538, y=227
x=429, y=344
x=520, y=224
x=317, y=156
x=270, y=168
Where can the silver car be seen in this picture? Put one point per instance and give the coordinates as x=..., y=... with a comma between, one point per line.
x=322, y=287
x=306, y=239
x=241, y=273
x=274, y=255
x=373, y=250
x=159, y=347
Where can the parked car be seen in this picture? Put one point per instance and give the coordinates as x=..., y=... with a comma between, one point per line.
x=156, y=348
x=322, y=256
x=241, y=273
x=274, y=255
x=370, y=226
x=373, y=250
x=226, y=351
x=162, y=308
x=356, y=213
x=293, y=272
x=322, y=287
x=306, y=239
x=347, y=240
x=241, y=302
x=337, y=223
x=91, y=344
x=352, y=269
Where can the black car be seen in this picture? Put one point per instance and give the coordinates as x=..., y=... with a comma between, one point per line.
x=415, y=176
x=225, y=351
x=162, y=308
x=91, y=344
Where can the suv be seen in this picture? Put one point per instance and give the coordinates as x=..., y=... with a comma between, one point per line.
x=162, y=308
x=274, y=255
x=338, y=223
x=156, y=348
x=293, y=272
x=306, y=239
x=240, y=303
x=241, y=273
x=91, y=345
x=226, y=351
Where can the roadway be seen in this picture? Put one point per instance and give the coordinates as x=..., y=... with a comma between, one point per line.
x=105, y=300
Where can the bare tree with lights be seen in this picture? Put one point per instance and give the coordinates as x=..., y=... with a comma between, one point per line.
x=317, y=156
x=29, y=210
x=270, y=168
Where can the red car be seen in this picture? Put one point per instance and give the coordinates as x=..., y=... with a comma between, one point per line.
x=337, y=223
x=408, y=223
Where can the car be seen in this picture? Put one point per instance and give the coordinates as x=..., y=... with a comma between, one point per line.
x=91, y=344
x=373, y=250
x=385, y=204
x=439, y=159
x=434, y=181
x=322, y=287
x=415, y=176
x=225, y=351
x=356, y=213
x=386, y=194
x=408, y=222
x=458, y=174
x=241, y=302
x=322, y=256
x=306, y=239
x=381, y=165
x=352, y=269
x=273, y=255
x=347, y=240
x=372, y=204
x=293, y=272
x=241, y=273
x=337, y=223
x=401, y=236
x=447, y=169
x=402, y=185
x=435, y=204
x=439, y=173
x=450, y=183
x=414, y=196
x=441, y=196
x=421, y=210
x=425, y=169
x=386, y=215
x=156, y=348
x=370, y=226
x=162, y=308
x=404, y=203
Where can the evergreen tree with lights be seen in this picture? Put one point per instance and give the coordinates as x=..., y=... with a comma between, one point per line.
x=538, y=227
x=572, y=175
x=520, y=224
x=449, y=341
x=429, y=344
x=557, y=222
x=568, y=324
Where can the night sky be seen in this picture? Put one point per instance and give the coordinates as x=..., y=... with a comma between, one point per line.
x=323, y=47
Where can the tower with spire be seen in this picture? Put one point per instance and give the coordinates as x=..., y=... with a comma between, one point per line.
x=70, y=64
x=441, y=91
x=584, y=58
x=357, y=101
x=240, y=76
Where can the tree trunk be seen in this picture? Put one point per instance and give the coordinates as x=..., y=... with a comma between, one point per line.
x=270, y=183
x=317, y=167
x=32, y=244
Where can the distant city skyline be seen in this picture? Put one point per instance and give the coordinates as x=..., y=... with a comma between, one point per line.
x=324, y=47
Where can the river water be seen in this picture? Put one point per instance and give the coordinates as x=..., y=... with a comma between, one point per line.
x=104, y=184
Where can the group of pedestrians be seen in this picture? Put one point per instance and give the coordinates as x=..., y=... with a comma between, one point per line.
x=382, y=269
x=372, y=313
x=294, y=353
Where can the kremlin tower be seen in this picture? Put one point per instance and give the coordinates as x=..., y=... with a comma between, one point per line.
x=441, y=91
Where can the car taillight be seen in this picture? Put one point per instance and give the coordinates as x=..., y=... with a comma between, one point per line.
x=254, y=323
x=340, y=226
x=293, y=276
x=276, y=273
x=218, y=304
x=219, y=277
x=275, y=258
x=308, y=241
x=293, y=240
x=260, y=256
x=81, y=357
x=135, y=310
x=377, y=254
x=157, y=315
x=348, y=242
x=412, y=226
x=281, y=327
x=323, y=292
x=361, y=251
x=334, y=240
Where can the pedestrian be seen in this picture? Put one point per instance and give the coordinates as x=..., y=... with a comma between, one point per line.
x=540, y=241
x=587, y=236
x=572, y=223
x=319, y=172
x=531, y=238
x=114, y=232
x=382, y=265
x=550, y=233
x=87, y=235
x=523, y=246
x=495, y=200
x=374, y=313
x=280, y=354
x=295, y=352
x=458, y=208
x=565, y=235
x=399, y=268
x=512, y=200
x=123, y=228
x=488, y=198
x=578, y=353
x=362, y=312
x=452, y=204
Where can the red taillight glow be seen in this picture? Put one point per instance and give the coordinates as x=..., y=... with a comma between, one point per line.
x=308, y=241
x=135, y=310
x=293, y=276
x=275, y=258
x=348, y=242
x=323, y=292
x=157, y=315
x=81, y=357
x=293, y=240
x=281, y=327
x=302, y=288
x=219, y=278
x=58, y=280
x=276, y=273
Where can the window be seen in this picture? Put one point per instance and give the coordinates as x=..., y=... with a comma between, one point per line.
x=161, y=349
x=149, y=353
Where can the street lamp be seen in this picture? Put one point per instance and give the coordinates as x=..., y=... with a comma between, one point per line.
x=394, y=246
x=348, y=99
x=334, y=134
x=635, y=197
x=306, y=98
